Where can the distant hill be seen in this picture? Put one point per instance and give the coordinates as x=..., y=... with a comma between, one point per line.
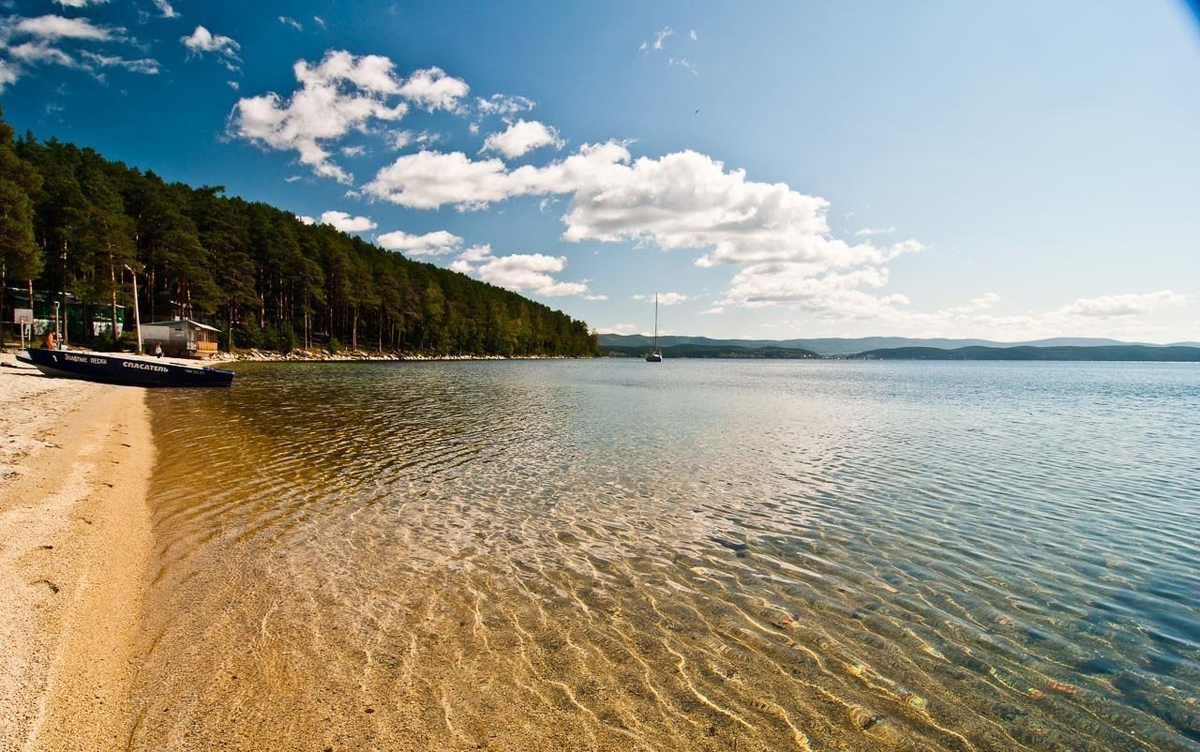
x=852, y=346
x=902, y=348
x=1158, y=353
x=711, y=351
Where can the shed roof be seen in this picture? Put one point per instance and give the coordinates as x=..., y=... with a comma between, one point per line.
x=188, y=322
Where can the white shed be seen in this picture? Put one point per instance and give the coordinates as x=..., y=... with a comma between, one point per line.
x=181, y=338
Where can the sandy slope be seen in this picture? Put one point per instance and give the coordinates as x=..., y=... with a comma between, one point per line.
x=75, y=543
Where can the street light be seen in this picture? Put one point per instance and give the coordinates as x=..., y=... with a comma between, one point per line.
x=137, y=319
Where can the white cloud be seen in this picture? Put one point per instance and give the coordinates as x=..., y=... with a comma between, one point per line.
x=520, y=272
x=320, y=21
x=985, y=301
x=8, y=74
x=432, y=90
x=343, y=92
x=618, y=329
x=595, y=297
x=812, y=288
x=666, y=298
x=289, y=21
x=79, y=3
x=503, y=105
x=660, y=36
x=40, y=53
x=1131, y=304
x=401, y=139
x=867, y=232
x=344, y=222
x=354, y=151
x=529, y=272
x=438, y=243
x=305, y=219
x=145, y=65
x=425, y=138
x=476, y=253
x=202, y=40
x=427, y=180
x=165, y=9
x=683, y=62
x=692, y=35
x=522, y=137
x=57, y=27
x=684, y=200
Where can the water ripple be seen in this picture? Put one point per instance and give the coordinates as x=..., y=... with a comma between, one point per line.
x=564, y=555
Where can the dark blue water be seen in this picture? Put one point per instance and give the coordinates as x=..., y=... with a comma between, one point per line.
x=701, y=555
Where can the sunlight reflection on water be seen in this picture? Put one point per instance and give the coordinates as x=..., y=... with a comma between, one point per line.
x=703, y=555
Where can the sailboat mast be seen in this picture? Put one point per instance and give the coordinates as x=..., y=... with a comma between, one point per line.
x=655, y=322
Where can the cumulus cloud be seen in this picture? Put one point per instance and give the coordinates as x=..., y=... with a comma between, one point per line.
x=438, y=243
x=529, y=272
x=427, y=180
x=503, y=105
x=57, y=27
x=344, y=222
x=343, y=92
x=685, y=200
x=8, y=74
x=165, y=9
x=305, y=219
x=431, y=89
x=521, y=272
x=666, y=298
x=522, y=137
x=202, y=40
x=1131, y=304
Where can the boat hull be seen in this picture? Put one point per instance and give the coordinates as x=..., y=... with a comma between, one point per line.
x=117, y=369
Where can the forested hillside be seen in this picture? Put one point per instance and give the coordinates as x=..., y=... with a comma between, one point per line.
x=71, y=220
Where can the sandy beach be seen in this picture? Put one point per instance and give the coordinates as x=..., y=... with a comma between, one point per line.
x=75, y=464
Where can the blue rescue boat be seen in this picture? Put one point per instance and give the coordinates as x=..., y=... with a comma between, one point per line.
x=119, y=369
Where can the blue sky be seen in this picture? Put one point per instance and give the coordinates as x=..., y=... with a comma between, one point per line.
x=770, y=169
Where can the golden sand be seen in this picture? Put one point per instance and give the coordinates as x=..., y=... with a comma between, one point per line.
x=75, y=543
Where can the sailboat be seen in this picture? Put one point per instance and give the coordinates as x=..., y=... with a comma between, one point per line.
x=655, y=356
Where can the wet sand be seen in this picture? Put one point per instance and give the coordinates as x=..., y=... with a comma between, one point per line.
x=75, y=544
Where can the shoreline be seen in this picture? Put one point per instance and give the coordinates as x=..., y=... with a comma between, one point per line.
x=75, y=469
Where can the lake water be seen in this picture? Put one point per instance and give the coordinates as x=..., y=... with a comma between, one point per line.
x=700, y=555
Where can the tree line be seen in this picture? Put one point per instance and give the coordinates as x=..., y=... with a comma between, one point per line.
x=73, y=221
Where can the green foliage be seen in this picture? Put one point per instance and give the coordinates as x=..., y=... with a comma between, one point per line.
x=248, y=335
x=285, y=338
x=334, y=346
x=257, y=272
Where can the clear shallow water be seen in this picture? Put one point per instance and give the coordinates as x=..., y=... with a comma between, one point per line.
x=697, y=555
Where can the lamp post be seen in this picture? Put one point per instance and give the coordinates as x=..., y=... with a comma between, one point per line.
x=137, y=319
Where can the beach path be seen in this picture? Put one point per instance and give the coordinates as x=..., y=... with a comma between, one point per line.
x=75, y=544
